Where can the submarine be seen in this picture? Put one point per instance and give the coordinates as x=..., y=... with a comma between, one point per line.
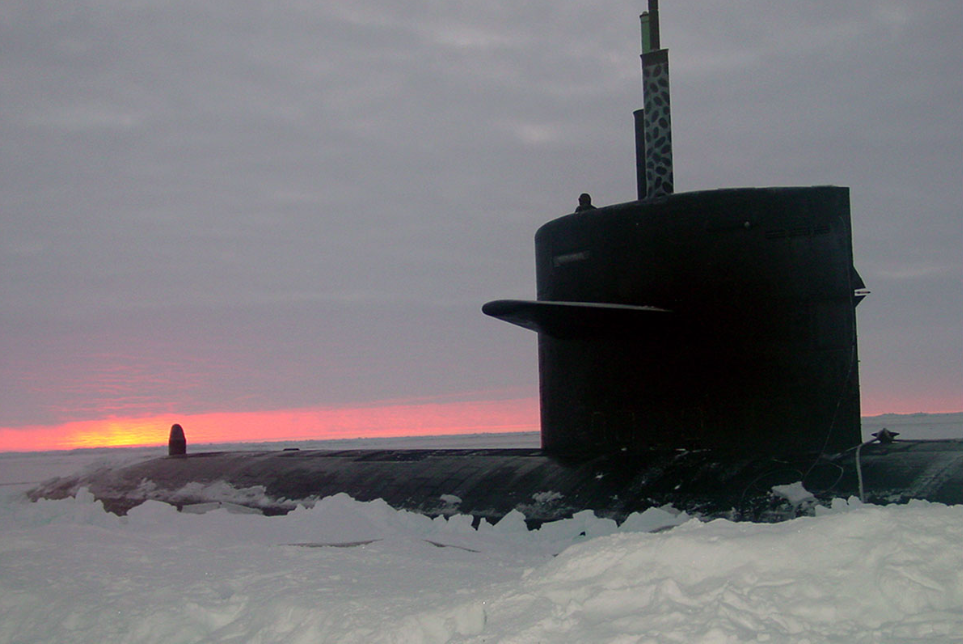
x=695, y=350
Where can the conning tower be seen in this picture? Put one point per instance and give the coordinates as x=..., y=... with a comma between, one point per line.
x=721, y=318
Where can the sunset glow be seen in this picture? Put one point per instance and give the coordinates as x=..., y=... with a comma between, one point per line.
x=416, y=419
x=400, y=419
x=892, y=394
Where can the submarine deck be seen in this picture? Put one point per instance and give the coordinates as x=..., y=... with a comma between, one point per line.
x=490, y=483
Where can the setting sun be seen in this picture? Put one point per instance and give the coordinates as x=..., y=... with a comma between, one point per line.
x=115, y=433
x=415, y=419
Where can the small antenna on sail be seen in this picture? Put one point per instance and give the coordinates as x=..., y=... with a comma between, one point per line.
x=653, y=123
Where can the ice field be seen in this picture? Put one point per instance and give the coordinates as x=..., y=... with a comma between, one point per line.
x=344, y=571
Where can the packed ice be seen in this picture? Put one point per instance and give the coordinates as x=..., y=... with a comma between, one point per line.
x=351, y=572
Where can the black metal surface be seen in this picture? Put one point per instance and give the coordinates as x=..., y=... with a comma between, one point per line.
x=579, y=319
x=754, y=346
x=491, y=483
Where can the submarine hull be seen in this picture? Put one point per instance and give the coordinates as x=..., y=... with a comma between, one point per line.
x=490, y=483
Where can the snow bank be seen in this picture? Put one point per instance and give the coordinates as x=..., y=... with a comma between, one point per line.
x=865, y=575
x=346, y=572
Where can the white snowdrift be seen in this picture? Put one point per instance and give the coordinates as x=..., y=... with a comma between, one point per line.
x=866, y=575
x=351, y=572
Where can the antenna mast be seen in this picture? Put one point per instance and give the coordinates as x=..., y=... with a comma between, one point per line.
x=653, y=123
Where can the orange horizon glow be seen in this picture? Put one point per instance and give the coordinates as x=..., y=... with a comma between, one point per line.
x=878, y=405
x=320, y=423
x=389, y=419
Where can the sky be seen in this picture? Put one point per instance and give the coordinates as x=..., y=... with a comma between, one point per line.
x=281, y=219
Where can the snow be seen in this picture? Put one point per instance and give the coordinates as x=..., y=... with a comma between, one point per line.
x=351, y=572
x=795, y=493
x=915, y=426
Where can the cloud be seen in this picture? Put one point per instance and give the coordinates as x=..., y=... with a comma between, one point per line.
x=312, y=201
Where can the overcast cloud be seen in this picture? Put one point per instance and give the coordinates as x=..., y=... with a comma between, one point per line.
x=252, y=205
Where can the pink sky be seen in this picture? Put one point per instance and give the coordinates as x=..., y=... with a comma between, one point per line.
x=316, y=423
x=416, y=419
